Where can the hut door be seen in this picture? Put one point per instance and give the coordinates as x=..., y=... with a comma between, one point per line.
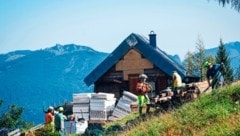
x=133, y=79
x=162, y=83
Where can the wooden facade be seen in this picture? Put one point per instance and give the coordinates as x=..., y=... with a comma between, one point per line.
x=134, y=56
x=124, y=75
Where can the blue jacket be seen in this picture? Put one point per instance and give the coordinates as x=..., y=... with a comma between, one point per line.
x=211, y=72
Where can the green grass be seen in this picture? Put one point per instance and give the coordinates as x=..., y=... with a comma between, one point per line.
x=213, y=114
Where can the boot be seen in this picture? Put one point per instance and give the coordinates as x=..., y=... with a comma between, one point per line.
x=140, y=110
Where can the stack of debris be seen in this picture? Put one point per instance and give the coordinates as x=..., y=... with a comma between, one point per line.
x=123, y=107
x=101, y=106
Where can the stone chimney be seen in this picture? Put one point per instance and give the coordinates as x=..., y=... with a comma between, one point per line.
x=152, y=39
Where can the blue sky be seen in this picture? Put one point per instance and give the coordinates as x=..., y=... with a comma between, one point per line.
x=104, y=24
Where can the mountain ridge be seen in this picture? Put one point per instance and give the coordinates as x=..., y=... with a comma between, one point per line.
x=36, y=79
x=48, y=76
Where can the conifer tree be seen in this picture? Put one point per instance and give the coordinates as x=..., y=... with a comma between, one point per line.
x=189, y=63
x=11, y=118
x=234, y=3
x=194, y=61
x=200, y=57
x=222, y=57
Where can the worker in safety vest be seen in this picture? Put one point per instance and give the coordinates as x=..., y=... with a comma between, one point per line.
x=142, y=88
x=49, y=117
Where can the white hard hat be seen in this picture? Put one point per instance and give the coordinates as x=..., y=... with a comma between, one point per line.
x=50, y=108
x=143, y=76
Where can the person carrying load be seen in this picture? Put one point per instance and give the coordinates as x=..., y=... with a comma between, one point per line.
x=214, y=73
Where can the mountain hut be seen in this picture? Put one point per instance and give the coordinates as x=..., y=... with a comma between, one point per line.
x=135, y=55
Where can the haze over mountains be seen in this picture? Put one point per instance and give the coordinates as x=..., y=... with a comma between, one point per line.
x=33, y=79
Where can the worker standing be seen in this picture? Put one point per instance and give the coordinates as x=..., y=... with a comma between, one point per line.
x=142, y=88
x=49, y=118
x=59, y=121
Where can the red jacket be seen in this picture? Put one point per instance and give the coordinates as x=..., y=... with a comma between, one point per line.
x=49, y=117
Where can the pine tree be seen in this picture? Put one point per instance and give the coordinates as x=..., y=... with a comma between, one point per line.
x=194, y=61
x=222, y=57
x=234, y=3
x=200, y=57
x=189, y=63
x=12, y=118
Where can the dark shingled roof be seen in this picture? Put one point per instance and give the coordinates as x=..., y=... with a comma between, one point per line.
x=142, y=45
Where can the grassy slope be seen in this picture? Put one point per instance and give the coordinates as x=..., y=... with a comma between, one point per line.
x=213, y=114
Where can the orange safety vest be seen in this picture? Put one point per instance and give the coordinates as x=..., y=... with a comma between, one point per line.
x=142, y=88
x=49, y=117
